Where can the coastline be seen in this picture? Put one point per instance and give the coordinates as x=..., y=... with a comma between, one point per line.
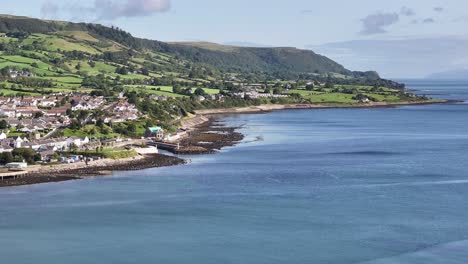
x=202, y=135
x=273, y=107
x=65, y=172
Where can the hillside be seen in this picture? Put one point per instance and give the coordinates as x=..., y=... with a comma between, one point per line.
x=107, y=70
x=287, y=63
x=250, y=59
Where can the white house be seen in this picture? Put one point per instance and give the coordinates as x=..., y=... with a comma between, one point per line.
x=83, y=105
x=48, y=103
x=20, y=141
x=79, y=142
x=7, y=111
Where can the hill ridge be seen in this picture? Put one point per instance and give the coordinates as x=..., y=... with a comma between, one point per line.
x=280, y=62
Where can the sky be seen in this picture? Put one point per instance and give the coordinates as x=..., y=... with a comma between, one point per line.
x=399, y=39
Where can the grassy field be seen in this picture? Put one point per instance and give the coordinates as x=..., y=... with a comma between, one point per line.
x=78, y=35
x=133, y=76
x=330, y=97
x=14, y=133
x=65, y=79
x=22, y=62
x=5, y=63
x=57, y=43
x=208, y=90
x=99, y=67
x=109, y=153
x=163, y=90
x=116, y=153
x=90, y=131
x=19, y=59
x=8, y=92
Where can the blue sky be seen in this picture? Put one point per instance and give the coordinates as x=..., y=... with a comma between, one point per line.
x=361, y=34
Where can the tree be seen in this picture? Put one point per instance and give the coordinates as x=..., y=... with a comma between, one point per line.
x=38, y=114
x=100, y=123
x=329, y=84
x=75, y=124
x=121, y=71
x=6, y=157
x=106, y=130
x=277, y=91
x=309, y=87
x=132, y=128
x=73, y=147
x=26, y=154
x=3, y=124
x=132, y=97
x=176, y=89
x=199, y=91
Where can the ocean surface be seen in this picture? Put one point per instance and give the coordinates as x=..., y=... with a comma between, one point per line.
x=371, y=186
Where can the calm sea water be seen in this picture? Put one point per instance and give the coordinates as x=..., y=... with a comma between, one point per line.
x=322, y=186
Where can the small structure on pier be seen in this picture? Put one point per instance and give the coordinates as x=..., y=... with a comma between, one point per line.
x=16, y=166
x=155, y=132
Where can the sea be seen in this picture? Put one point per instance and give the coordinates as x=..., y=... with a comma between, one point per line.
x=370, y=186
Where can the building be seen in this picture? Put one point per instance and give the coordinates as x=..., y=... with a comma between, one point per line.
x=77, y=141
x=60, y=111
x=50, y=102
x=17, y=166
x=18, y=142
x=8, y=111
x=155, y=132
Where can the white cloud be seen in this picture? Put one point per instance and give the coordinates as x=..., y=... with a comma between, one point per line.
x=428, y=20
x=106, y=10
x=405, y=11
x=378, y=22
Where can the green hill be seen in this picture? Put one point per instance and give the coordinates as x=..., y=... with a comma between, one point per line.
x=58, y=56
x=95, y=39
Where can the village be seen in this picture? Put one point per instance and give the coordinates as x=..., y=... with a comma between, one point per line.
x=32, y=123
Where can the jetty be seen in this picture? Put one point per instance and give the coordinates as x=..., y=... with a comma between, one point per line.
x=12, y=175
x=164, y=146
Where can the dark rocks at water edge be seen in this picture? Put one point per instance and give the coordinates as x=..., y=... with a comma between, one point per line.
x=149, y=161
x=29, y=180
x=209, y=138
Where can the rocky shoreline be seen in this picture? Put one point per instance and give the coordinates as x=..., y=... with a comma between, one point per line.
x=209, y=137
x=59, y=174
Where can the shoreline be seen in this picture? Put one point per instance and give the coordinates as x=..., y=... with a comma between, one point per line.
x=275, y=107
x=203, y=135
x=66, y=172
